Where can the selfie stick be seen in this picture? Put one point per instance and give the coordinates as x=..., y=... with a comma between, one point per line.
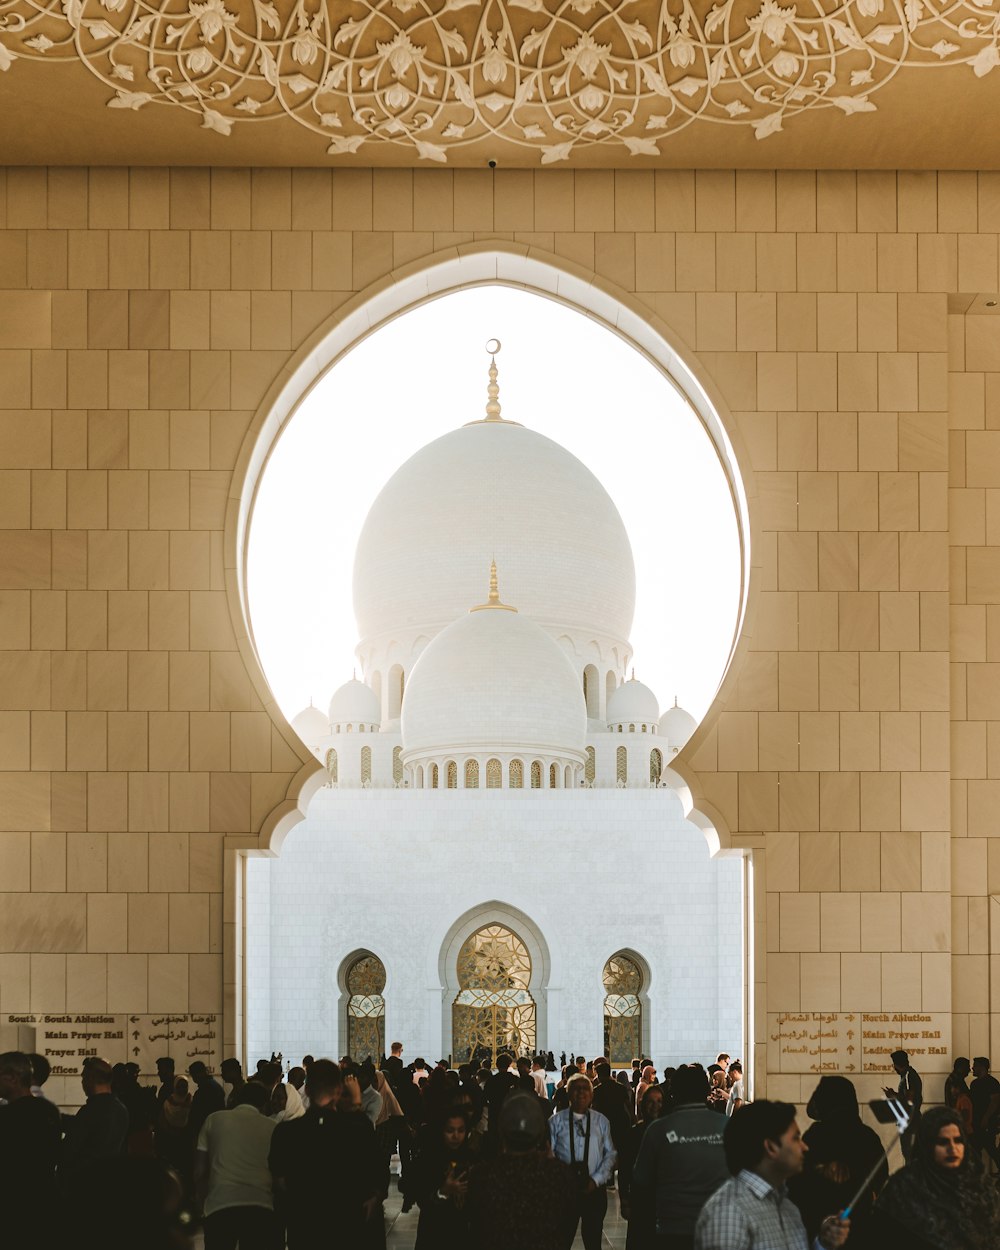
x=902, y=1117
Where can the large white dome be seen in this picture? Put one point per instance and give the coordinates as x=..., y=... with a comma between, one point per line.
x=494, y=681
x=494, y=489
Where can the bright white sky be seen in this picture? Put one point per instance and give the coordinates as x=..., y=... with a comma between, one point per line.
x=561, y=374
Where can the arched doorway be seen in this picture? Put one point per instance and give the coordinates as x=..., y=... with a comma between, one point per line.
x=366, y=1008
x=493, y=1012
x=423, y=281
x=623, y=983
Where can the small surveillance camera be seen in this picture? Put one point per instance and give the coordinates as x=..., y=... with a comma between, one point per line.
x=492, y=164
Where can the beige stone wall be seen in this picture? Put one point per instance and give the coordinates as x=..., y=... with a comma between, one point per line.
x=143, y=315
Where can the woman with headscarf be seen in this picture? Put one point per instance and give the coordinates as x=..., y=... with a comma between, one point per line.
x=940, y=1200
x=841, y=1153
x=638, y=1207
x=647, y=1079
x=441, y=1183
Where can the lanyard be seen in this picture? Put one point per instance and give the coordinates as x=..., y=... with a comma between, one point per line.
x=586, y=1139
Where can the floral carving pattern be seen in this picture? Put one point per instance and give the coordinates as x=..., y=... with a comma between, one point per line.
x=553, y=76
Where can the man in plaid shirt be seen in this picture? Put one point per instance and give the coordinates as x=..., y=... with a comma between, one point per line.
x=752, y=1211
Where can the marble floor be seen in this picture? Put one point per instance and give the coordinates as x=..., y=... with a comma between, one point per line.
x=401, y=1230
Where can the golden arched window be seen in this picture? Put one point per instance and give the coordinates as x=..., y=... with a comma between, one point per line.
x=621, y=765
x=516, y=778
x=536, y=774
x=366, y=1008
x=472, y=774
x=331, y=765
x=366, y=764
x=434, y=776
x=397, y=764
x=622, y=1009
x=494, y=775
x=590, y=767
x=493, y=1012
x=452, y=775
x=655, y=766
x=553, y=774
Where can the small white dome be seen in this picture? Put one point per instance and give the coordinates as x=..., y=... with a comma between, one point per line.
x=311, y=725
x=494, y=681
x=633, y=702
x=677, y=726
x=355, y=704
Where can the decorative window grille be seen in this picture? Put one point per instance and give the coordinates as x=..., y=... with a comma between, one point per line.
x=472, y=774
x=590, y=768
x=366, y=765
x=494, y=775
x=516, y=777
x=536, y=775
x=621, y=768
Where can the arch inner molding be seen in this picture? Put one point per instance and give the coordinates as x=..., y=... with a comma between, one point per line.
x=548, y=80
x=477, y=264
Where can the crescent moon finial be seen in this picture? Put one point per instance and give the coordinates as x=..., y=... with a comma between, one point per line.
x=493, y=389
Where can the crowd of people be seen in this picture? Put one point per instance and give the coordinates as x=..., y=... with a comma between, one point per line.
x=518, y=1155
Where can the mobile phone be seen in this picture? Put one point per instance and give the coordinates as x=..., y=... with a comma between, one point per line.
x=882, y=1111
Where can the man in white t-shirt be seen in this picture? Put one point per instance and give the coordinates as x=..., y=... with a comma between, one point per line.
x=538, y=1076
x=232, y=1174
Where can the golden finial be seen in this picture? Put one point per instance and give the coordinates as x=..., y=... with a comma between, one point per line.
x=493, y=416
x=493, y=599
x=493, y=390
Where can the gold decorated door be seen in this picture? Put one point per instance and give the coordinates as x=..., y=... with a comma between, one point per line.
x=366, y=1009
x=622, y=1009
x=493, y=1012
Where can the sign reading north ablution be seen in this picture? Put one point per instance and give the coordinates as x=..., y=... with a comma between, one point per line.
x=857, y=1042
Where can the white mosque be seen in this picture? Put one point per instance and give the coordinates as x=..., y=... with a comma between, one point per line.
x=498, y=860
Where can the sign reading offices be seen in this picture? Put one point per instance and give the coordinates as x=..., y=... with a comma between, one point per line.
x=67, y=1039
x=854, y=1042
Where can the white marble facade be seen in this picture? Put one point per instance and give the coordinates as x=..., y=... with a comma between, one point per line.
x=578, y=875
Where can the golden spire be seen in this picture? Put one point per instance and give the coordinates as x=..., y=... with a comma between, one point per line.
x=493, y=599
x=493, y=416
x=493, y=390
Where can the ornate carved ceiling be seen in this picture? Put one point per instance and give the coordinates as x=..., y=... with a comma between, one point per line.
x=522, y=82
